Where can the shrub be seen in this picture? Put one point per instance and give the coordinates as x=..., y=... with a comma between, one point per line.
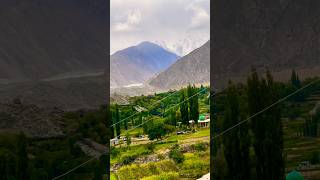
x=150, y=170
x=131, y=172
x=114, y=151
x=176, y=154
x=163, y=176
x=157, y=129
x=161, y=156
x=194, y=168
x=166, y=166
x=150, y=146
x=128, y=158
x=199, y=147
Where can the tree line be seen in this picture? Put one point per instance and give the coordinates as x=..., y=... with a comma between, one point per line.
x=263, y=133
x=157, y=125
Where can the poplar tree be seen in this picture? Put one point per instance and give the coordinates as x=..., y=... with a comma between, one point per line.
x=117, y=119
x=193, y=103
x=236, y=142
x=22, y=156
x=266, y=127
x=184, y=108
x=296, y=84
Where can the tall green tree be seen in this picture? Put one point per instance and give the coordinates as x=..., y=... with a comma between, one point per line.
x=184, y=108
x=266, y=127
x=128, y=139
x=112, y=129
x=295, y=81
x=117, y=119
x=172, y=119
x=296, y=84
x=274, y=131
x=8, y=165
x=236, y=146
x=140, y=119
x=193, y=103
x=110, y=121
x=22, y=156
x=196, y=104
x=104, y=165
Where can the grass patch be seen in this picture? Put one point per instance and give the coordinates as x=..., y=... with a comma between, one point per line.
x=134, y=171
x=163, y=176
x=113, y=176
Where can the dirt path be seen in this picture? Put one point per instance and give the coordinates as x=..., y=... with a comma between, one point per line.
x=194, y=140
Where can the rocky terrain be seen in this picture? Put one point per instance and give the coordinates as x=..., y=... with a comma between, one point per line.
x=66, y=94
x=34, y=121
x=52, y=58
x=40, y=39
x=53, y=53
x=280, y=35
x=193, y=68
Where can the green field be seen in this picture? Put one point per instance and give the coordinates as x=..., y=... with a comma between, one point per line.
x=171, y=156
x=193, y=160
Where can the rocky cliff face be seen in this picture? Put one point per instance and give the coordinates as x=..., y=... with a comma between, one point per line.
x=278, y=34
x=54, y=52
x=32, y=120
x=44, y=38
x=193, y=68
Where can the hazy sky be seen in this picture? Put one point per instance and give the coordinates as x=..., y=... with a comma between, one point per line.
x=171, y=22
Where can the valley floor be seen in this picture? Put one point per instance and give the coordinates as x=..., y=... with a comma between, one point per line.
x=195, y=165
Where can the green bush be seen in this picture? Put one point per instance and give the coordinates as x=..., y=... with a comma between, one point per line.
x=199, y=147
x=161, y=156
x=194, y=168
x=166, y=166
x=150, y=146
x=128, y=158
x=135, y=171
x=114, y=152
x=132, y=172
x=176, y=154
x=163, y=176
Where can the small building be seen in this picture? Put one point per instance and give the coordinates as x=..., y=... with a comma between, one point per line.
x=294, y=175
x=114, y=141
x=204, y=121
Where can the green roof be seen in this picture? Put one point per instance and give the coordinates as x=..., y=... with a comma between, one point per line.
x=202, y=118
x=294, y=175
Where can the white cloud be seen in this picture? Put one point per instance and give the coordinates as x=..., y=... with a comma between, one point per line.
x=200, y=16
x=132, y=21
x=168, y=21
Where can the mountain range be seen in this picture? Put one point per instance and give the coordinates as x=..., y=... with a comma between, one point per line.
x=53, y=52
x=40, y=39
x=279, y=35
x=184, y=46
x=193, y=68
x=134, y=65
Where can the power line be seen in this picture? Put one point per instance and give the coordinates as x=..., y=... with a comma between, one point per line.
x=265, y=109
x=164, y=111
x=146, y=110
x=220, y=134
x=73, y=169
x=91, y=159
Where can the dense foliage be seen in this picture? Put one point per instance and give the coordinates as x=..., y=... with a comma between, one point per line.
x=253, y=142
x=22, y=157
